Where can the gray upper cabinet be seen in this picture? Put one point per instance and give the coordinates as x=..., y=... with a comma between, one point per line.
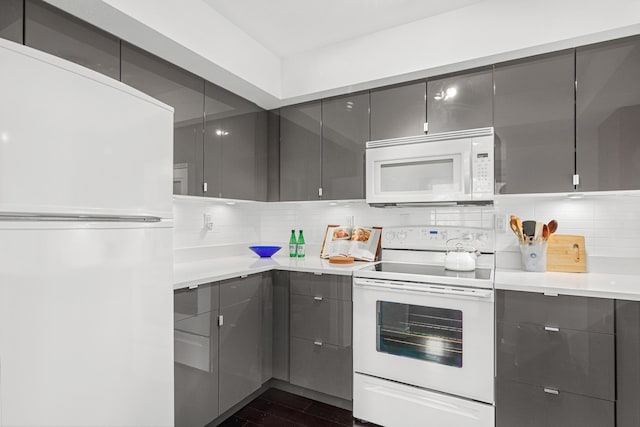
x=398, y=111
x=58, y=33
x=608, y=115
x=534, y=124
x=235, y=146
x=11, y=20
x=300, y=141
x=184, y=92
x=345, y=130
x=463, y=101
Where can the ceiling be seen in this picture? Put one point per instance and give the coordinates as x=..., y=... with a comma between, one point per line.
x=290, y=27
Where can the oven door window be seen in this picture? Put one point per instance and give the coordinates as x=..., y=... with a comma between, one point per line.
x=425, y=333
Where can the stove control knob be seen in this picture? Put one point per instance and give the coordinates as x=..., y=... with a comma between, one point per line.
x=390, y=235
x=402, y=235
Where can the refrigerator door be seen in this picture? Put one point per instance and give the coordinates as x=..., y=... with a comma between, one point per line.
x=75, y=141
x=86, y=324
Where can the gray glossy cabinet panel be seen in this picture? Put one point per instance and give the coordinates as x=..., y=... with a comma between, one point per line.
x=534, y=124
x=628, y=363
x=563, y=311
x=523, y=405
x=324, y=368
x=280, y=344
x=398, y=111
x=273, y=155
x=463, y=101
x=240, y=353
x=266, y=345
x=327, y=320
x=58, y=33
x=11, y=20
x=567, y=360
x=345, y=130
x=324, y=285
x=196, y=356
x=235, y=146
x=235, y=291
x=184, y=92
x=300, y=141
x=608, y=115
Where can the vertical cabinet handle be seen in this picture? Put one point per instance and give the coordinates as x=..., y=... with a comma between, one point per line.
x=551, y=391
x=220, y=320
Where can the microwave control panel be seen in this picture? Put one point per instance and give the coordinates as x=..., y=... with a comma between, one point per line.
x=482, y=167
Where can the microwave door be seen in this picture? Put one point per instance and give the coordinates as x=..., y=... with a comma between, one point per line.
x=415, y=173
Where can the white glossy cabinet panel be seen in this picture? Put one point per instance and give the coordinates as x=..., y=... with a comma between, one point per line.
x=73, y=140
x=86, y=325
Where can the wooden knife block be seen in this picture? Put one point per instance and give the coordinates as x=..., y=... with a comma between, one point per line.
x=566, y=253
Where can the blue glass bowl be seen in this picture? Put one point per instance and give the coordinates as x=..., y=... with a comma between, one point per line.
x=265, y=251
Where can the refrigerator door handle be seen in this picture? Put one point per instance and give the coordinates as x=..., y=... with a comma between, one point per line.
x=19, y=216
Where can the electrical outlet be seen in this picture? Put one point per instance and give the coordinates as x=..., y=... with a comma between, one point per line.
x=500, y=223
x=208, y=222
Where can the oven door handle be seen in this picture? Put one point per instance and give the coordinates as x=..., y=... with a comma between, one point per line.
x=426, y=289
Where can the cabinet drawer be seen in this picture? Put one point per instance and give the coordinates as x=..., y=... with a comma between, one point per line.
x=325, y=320
x=323, y=285
x=191, y=302
x=574, y=361
x=524, y=405
x=563, y=311
x=325, y=368
x=234, y=291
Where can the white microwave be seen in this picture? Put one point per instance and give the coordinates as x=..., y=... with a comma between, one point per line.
x=439, y=168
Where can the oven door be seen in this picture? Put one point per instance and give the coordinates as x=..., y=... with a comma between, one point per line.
x=431, y=336
x=437, y=171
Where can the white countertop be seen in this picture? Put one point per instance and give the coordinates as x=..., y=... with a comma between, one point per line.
x=191, y=273
x=600, y=285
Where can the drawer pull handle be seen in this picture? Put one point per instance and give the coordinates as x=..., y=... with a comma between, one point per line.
x=193, y=286
x=317, y=273
x=317, y=298
x=551, y=329
x=318, y=343
x=244, y=276
x=551, y=391
x=550, y=294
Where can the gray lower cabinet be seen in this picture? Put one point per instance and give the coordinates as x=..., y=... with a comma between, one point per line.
x=240, y=338
x=11, y=19
x=280, y=344
x=398, y=111
x=196, y=348
x=627, y=363
x=555, y=360
x=321, y=355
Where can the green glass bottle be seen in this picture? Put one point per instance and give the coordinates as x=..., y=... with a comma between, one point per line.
x=292, y=244
x=300, y=245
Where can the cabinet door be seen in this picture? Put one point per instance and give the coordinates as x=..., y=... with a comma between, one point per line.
x=459, y=102
x=196, y=355
x=240, y=340
x=11, y=19
x=266, y=345
x=628, y=363
x=398, y=111
x=280, y=325
x=184, y=92
x=325, y=320
x=51, y=30
x=608, y=115
x=300, y=152
x=345, y=130
x=534, y=124
x=235, y=146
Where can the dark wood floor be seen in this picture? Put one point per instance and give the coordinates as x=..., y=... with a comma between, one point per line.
x=277, y=408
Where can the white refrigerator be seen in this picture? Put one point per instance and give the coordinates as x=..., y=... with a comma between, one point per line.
x=86, y=300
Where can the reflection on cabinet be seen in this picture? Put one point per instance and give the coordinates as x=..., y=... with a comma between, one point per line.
x=280, y=345
x=300, y=143
x=462, y=101
x=56, y=32
x=235, y=146
x=321, y=354
x=534, y=124
x=398, y=111
x=196, y=355
x=555, y=360
x=608, y=115
x=184, y=92
x=11, y=19
x=345, y=130
x=627, y=363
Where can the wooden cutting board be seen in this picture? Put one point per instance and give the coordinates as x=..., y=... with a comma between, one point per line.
x=566, y=252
